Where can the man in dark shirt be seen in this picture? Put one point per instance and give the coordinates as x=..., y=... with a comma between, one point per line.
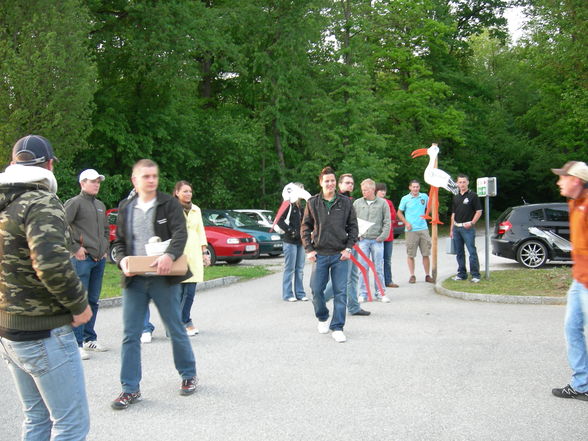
x=465, y=213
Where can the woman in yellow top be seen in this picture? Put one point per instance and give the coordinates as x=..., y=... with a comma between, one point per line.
x=196, y=251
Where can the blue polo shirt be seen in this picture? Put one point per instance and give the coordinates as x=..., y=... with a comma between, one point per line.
x=413, y=207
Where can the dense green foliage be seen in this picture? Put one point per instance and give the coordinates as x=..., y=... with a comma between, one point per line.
x=242, y=96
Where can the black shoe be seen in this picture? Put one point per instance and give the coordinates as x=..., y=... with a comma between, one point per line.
x=570, y=392
x=189, y=386
x=362, y=312
x=124, y=399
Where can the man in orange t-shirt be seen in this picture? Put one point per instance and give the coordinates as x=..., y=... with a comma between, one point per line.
x=572, y=182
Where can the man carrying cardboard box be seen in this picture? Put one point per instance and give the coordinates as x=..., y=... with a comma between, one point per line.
x=148, y=214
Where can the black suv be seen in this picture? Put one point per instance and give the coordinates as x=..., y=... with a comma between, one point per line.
x=533, y=234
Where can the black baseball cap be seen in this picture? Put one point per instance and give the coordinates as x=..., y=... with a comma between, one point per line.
x=36, y=146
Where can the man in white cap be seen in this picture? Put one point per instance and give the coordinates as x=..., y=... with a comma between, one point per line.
x=572, y=182
x=86, y=216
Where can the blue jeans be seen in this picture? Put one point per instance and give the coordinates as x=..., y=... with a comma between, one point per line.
x=351, y=287
x=294, y=256
x=136, y=298
x=147, y=325
x=187, y=294
x=337, y=269
x=375, y=250
x=576, y=329
x=49, y=380
x=466, y=236
x=388, y=247
x=90, y=273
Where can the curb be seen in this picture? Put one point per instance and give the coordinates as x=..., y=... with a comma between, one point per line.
x=499, y=298
x=209, y=284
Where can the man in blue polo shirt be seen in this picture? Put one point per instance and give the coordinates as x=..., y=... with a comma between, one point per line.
x=410, y=211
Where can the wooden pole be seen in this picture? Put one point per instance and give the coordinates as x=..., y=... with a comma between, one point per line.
x=434, y=235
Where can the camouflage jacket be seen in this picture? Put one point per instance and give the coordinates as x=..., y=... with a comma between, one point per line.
x=39, y=289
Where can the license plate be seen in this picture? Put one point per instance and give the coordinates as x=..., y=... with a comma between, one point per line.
x=249, y=247
x=277, y=245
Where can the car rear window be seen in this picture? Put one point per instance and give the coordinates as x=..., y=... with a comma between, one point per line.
x=537, y=214
x=556, y=215
x=504, y=216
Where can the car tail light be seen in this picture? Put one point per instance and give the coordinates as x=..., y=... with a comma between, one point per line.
x=503, y=227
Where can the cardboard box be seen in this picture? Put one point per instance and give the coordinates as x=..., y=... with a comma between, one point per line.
x=140, y=265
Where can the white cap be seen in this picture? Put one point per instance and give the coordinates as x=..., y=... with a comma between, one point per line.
x=91, y=174
x=578, y=169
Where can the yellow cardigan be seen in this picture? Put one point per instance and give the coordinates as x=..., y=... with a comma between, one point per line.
x=196, y=240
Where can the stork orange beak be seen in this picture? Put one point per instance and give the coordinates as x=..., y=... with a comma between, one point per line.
x=418, y=152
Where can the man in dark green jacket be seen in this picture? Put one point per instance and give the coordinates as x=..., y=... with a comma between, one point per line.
x=86, y=215
x=41, y=297
x=329, y=231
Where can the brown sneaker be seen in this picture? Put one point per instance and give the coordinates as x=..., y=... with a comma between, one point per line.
x=125, y=399
x=412, y=279
x=188, y=386
x=392, y=285
x=429, y=279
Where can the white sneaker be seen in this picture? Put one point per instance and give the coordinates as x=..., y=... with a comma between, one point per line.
x=339, y=337
x=192, y=331
x=93, y=345
x=84, y=354
x=291, y=299
x=475, y=280
x=304, y=299
x=323, y=327
x=385, y=299
x=146, y=337
x=457, y=278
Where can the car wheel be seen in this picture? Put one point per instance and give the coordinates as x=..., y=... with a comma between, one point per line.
x=233, y=261
x=111, y=254
x=212, y=255
x=532, y=254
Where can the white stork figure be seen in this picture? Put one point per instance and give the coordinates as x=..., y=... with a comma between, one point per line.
x=290, y=194
x=435, y=178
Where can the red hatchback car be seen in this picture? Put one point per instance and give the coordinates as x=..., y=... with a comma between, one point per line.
x=224, y=244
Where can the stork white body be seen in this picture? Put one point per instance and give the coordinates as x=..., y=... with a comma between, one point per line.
x=434, y=176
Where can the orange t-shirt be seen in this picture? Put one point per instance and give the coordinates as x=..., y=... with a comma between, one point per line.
x=579, y=237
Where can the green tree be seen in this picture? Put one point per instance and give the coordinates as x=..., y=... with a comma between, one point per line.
x=47, y=78
x=147, y=104
x=557, y=122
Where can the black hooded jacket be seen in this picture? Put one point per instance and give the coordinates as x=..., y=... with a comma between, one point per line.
x=169, y=223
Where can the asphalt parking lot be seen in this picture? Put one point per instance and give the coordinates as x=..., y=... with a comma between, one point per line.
x=423, y=367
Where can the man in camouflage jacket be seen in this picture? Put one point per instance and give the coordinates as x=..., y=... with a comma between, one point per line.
x=41, y=297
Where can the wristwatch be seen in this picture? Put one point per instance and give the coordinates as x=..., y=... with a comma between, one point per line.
x=348, y=250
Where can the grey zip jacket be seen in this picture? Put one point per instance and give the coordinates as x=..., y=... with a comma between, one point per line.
x=86, y=216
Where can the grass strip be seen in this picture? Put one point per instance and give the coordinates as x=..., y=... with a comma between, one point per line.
x=552, y=282
x=112, y=276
